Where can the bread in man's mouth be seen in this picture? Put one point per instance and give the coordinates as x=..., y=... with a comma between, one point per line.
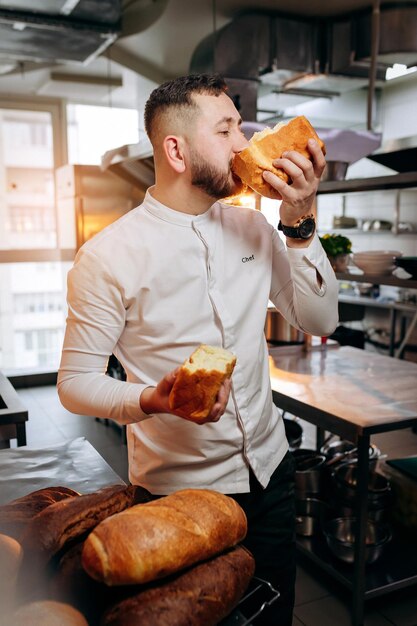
x=199, y=380
x=268, y=145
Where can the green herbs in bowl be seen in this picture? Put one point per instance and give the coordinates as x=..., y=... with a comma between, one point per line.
x=338, y=249
x=336, y=244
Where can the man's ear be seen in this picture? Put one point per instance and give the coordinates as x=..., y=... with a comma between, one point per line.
x=174, y=152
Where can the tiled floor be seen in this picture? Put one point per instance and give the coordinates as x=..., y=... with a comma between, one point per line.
x=320, y=601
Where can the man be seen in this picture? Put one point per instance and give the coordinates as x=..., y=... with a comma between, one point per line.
x=183, y=269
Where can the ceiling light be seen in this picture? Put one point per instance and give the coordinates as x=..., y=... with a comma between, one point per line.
x=68, y=6
x=398, y=69
x=6, y=68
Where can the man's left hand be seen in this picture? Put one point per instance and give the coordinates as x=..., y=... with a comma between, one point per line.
x=297, y=198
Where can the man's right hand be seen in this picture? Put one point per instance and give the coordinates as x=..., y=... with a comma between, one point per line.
x=155, y=399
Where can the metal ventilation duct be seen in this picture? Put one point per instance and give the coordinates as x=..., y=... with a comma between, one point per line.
x=57, y=30
x=284, y=51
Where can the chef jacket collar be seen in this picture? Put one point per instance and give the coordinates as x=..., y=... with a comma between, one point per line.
x=170, y=215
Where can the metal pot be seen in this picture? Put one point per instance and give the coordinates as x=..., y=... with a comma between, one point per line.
x=309, y=516
x=343, y=451
x=379, y=488
x=309, y=471
x=277, y=329
x=340, y=509
x=340, y=537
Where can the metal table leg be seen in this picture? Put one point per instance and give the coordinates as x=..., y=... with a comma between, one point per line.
x=393, y=323
x=21, y=434
x=320, y=432
x=360, y=533
x=407, y=336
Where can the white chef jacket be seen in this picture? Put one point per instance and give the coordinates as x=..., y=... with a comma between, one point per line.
x=150, y=288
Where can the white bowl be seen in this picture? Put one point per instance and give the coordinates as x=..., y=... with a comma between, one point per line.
x=374, y=267
x=376, y=261
x=377, y=254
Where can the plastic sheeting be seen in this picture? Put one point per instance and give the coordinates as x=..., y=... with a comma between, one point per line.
x=75, y=464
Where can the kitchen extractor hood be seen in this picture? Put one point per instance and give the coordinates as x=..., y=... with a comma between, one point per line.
x=132, y=162
x=320, y=57
x=57, y=31
x=398, y=154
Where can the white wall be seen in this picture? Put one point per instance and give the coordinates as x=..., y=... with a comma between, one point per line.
x=395, y=118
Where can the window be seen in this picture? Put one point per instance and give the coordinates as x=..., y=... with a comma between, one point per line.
x=93, y=130
x=32, y=272
x=27, y=190
x=33, y=263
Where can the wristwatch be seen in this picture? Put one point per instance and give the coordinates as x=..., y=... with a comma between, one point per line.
x=303, y=229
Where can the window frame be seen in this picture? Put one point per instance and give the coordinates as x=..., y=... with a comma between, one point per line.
x=57, y=109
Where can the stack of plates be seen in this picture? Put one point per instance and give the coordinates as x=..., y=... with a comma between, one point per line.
x=376, y=261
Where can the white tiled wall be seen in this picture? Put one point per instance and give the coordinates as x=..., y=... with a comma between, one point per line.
x=376, y=205
x=396, y=118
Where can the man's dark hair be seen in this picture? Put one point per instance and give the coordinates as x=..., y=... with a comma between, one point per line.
x=178, y=92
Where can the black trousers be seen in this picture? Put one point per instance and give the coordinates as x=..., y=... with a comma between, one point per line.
x=271, y=537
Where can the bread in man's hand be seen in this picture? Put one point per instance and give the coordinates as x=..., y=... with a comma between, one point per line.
x=268, y=145
x=153, y=540
x=199, y=380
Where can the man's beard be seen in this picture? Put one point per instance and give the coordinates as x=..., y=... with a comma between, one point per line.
x=214, y=182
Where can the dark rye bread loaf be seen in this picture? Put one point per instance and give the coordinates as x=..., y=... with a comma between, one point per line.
x=70, y=519
x=201, y=596
x=59, y=526
x=15, y=515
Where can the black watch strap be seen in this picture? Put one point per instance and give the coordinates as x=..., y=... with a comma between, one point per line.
x=289, y=231
x=303, y=229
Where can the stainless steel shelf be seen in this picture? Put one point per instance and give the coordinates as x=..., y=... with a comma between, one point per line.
x=384, y=279
x=395, y=569
x=372, y=302
x=360, y=231
x=396, y=181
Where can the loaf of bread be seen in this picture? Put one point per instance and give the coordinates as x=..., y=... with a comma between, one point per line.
x=15, y=515
x=268, y=145
x=161, y=537
x=10, y=559
x=47, y=613
x=69, y=519
x=199, y=379
x=201, y=596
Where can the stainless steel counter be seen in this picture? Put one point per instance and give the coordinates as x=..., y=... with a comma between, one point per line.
x=352, y=393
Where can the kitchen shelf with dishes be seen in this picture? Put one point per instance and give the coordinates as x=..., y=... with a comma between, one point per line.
x=395, y=569
x=378, y=279
x=326, y=486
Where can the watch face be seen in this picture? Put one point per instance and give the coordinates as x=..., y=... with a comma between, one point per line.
x=307, y=228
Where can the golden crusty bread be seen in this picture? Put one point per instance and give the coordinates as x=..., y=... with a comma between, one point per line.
x=269, y=144
x=48, y=613
x=158, y=538
x=199, y=380
x=203, y=595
